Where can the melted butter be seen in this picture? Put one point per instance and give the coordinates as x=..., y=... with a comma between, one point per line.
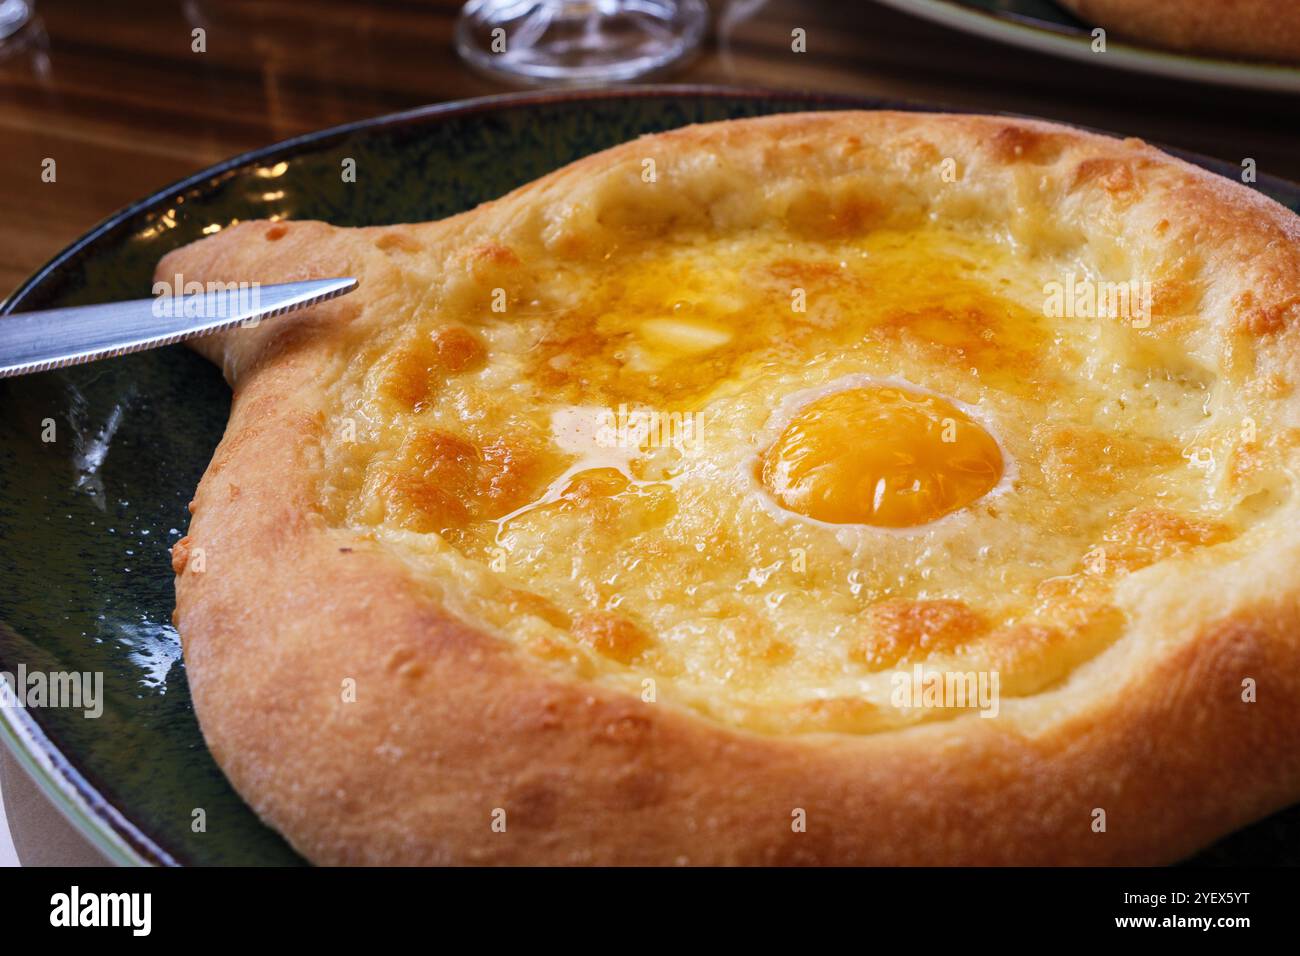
x=670, y=326
x=602, y=467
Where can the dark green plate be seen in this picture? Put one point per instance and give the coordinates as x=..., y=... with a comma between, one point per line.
x=86, y=520
x=1047, y=27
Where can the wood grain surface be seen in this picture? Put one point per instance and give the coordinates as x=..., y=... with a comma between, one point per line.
x=113, y=92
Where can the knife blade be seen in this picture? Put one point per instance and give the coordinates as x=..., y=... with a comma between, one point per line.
x=36, y=341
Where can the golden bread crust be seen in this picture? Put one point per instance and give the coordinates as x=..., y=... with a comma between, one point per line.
x=1253, y=29
x=361, y=712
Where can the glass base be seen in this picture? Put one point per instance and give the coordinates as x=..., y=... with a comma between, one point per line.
x=569, y=41
x=14, y=15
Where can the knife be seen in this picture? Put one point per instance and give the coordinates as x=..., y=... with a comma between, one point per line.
x=36, y=341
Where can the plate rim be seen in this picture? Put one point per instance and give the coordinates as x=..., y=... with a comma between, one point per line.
x=100, y=821
x=90, y=813
x=1243, y=74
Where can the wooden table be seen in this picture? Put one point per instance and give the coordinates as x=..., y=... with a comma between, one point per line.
x=115, y=95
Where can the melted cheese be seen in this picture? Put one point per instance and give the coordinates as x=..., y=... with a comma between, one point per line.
x=651, y=468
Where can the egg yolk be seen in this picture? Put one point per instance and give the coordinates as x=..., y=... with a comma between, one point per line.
x=881, y=456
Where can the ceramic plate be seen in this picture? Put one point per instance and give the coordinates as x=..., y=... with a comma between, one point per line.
x=1043, y=26
x=86, y=520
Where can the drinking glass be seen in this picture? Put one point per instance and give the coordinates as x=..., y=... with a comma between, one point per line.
x=13, y=15
x=578, y=41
